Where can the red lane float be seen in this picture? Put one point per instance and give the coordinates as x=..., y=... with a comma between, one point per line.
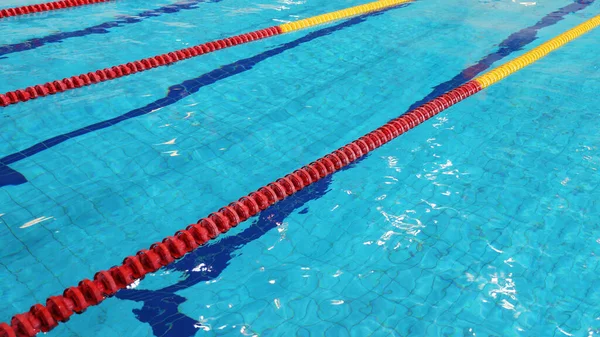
x=107, y=283
x=45, y=7
x=50, y=88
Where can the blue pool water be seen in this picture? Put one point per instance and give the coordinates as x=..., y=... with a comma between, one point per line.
x=481, y=222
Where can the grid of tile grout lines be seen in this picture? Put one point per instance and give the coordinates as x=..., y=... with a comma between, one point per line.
x=106, y=283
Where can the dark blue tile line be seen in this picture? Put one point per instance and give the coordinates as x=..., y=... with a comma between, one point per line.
x=9, y=176
x=102, y=28
x=514, y=42
x=160, y=307
x=175, y=93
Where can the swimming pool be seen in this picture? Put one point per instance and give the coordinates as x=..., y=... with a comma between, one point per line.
x=481, y=221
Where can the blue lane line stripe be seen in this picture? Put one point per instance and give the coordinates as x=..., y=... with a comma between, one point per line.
x=102, y=28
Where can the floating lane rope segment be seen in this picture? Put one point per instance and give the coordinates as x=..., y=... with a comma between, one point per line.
x=338, y=15
x=102, y=75
x=44, y=7
x=497, y=74
x=106, y=283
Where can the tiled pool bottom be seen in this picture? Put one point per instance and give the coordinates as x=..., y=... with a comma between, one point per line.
x=479, y=222
x=500, y=242
x=368, y=259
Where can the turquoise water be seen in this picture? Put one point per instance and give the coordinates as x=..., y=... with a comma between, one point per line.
x=481, y=222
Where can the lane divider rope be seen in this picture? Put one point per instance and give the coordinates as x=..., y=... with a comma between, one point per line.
x=106, y=283
x=45, y=7
x=510, y=67
x=107, y=74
